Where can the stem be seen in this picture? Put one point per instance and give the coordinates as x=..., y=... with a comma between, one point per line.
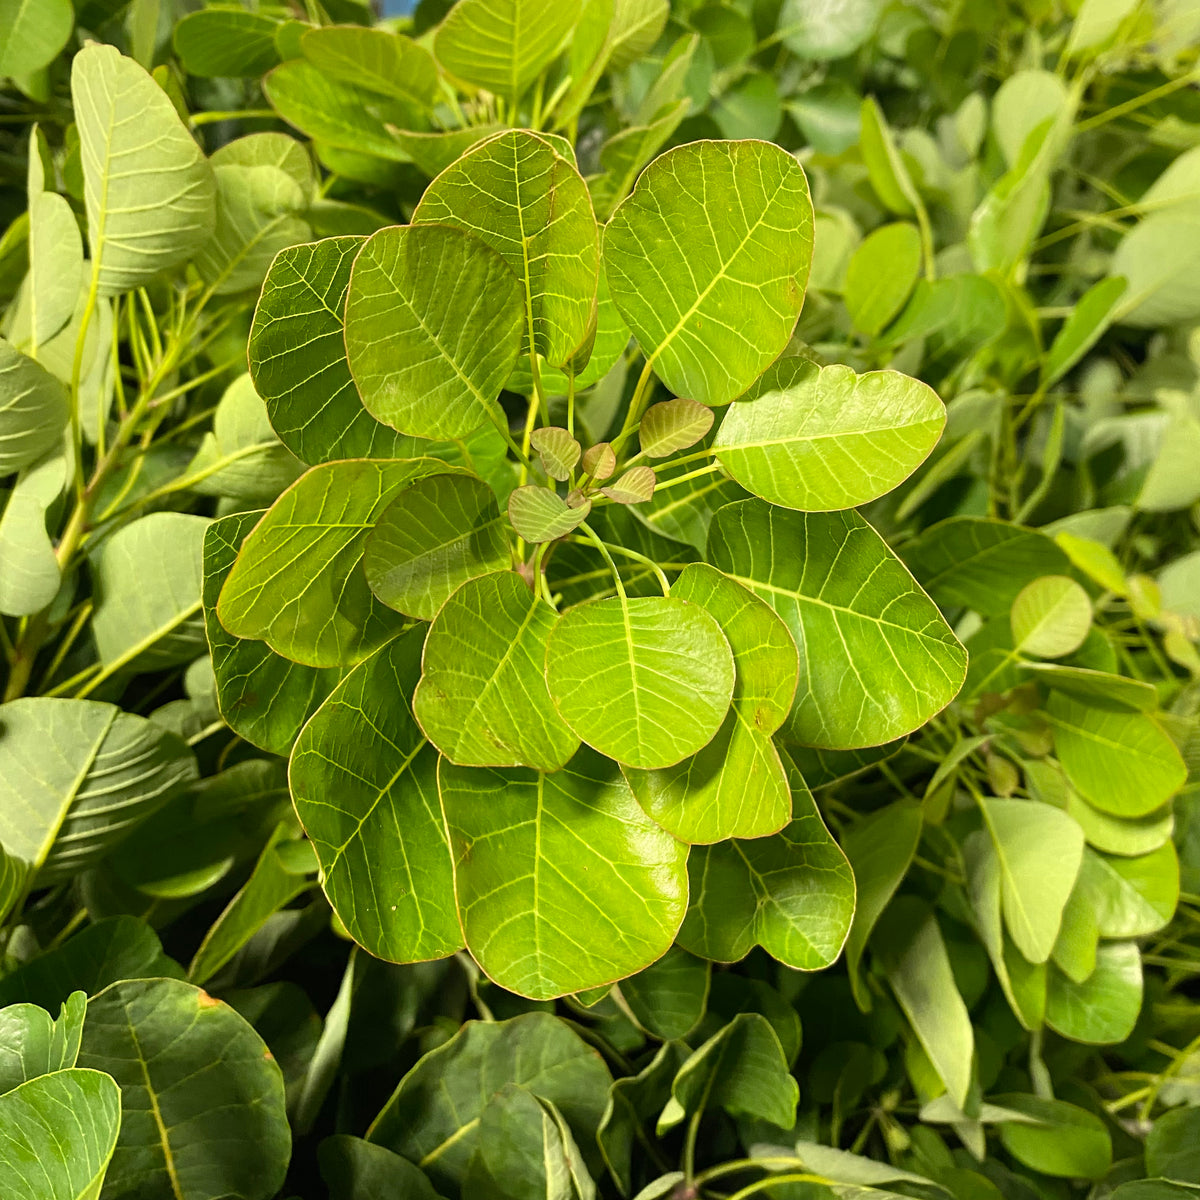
x=663, y=582
x=633, y=418
x=612, y=566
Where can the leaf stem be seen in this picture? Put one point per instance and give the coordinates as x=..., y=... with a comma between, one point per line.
x=663, y=582
x=637, y=405
x=612, y=566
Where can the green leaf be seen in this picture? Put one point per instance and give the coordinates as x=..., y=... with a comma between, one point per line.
x=1040, y=850
x=975, y=562
x=820, y=438
x=1090, y=317
x=435, y=535
x=433, y=329
x=66, y=1126
x=1099, y=688
x=634, y=1100
x=32, y=33
x=876, y=658
x=646, y=681
x=1121, y=762
x=433, y=1117
x=541, y=515
x=33, y=410
x=881, y=275
x=518, y=195
x=624, y=155
x=668, y=998
x=792, y=894
x=1173, y=1146
x=32, y=1043
x=636, y=486
x=298, y=358
x=55, y=265
x=434, y=152
x=375, y=60
x=673, y=425
x=31, y=576
x=1025, y=100
x=356, y=1170
x=260, y=209
x=1116, y=835
x=113, y=948
x=1050, y=617
x=338, y=113
x=558, y=450
x=201, y=835
x=364, y=781
x=262, y=696
x=1023, y=983
x=1131, y=897
x=274, y=883
x=138, y=158
x=914, y=960
x=518, y=861
x=880, y=849
x=740, y=1069
x=242, y=458
x=218, y=42
x=1069, y=1142
x=76, y=776
x=502, y=45
x=826, y=30
x=296, y=584
x=482, y=698
x=147, y=588
x=1104, y=1008
x=886, y=169
x=735, y=786
x=226, y=1139
x=526, y=1152
x=707, y=261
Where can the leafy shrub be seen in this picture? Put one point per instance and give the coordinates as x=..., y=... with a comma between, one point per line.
x=655, y=545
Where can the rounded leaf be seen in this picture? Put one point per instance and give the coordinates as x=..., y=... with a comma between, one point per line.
x=482, y=699
x=517, y=194
x=522, y=844
x=33, y=409
x=881, y=275
x=822, y=438
x=433, y=329
x=646, y=680
x=707, y=261
x=735, y=786
x=1050, y=617
x=227, y=1138
x=541, y=515
x=434, y=536
x=559, y=451
x=876, y=656
x=364, y=782
x=673, y=425
x=636, y=486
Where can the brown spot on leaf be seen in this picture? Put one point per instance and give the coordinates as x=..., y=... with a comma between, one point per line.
x=205, y=1000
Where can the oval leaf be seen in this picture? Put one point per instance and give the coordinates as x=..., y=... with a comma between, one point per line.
x=434, y=536
x=540, y=515
x=1050, y=617
x=707, y=261
x=482, y=699
x=736, y=786
x=138, y=159
x=636, y=486
x=433, y=328
x=364, y=782
x=540, y=835
x=559, y=451
x=526, y=201
x=876, y=658
x=821, y=438
x=673, y=425
x=647, y=681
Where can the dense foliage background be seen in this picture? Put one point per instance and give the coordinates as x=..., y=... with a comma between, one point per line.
x=959, y=961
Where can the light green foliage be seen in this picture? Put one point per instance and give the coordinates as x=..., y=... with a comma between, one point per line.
x=149, y=192
x=717, y=236
x=511, y=836
x=821, y=438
